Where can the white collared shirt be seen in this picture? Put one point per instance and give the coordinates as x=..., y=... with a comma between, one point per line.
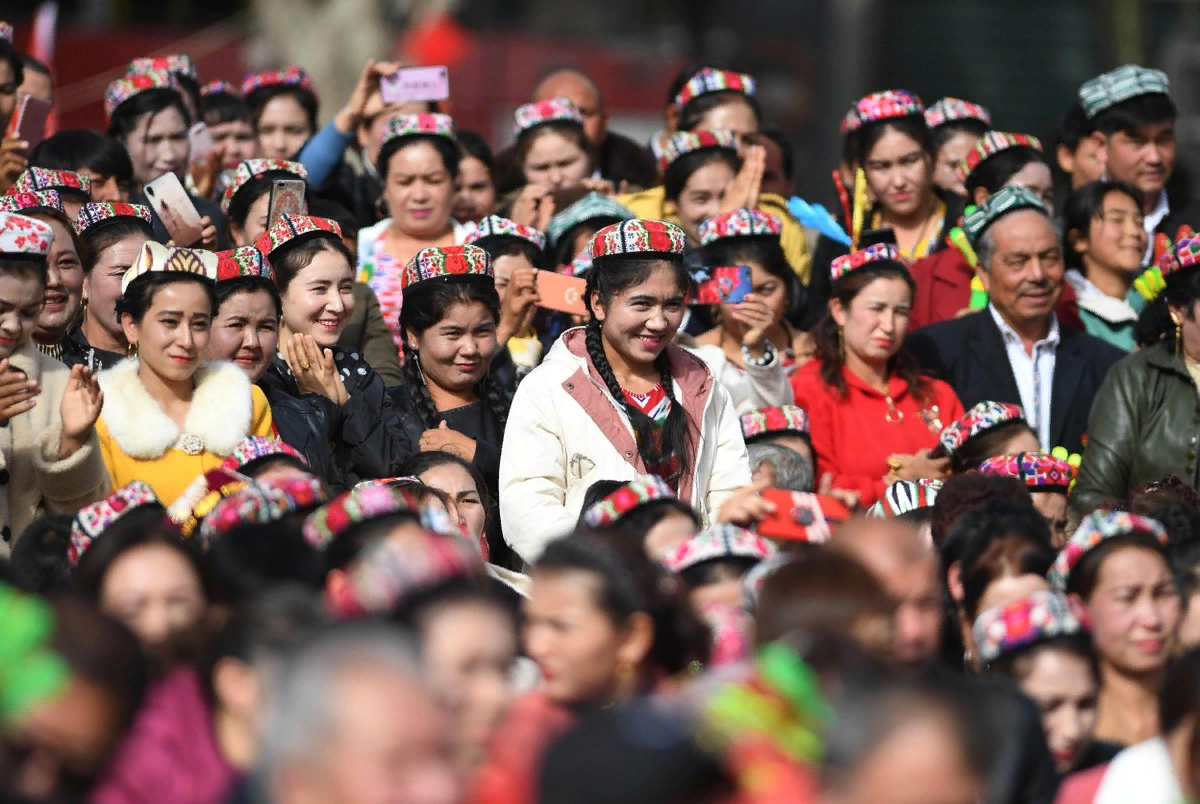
x=1034, y=373
x=1161, y=210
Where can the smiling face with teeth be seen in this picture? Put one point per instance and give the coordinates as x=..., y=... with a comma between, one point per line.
x=64, y=284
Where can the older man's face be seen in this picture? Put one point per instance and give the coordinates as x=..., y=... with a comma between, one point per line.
x=1024, y=278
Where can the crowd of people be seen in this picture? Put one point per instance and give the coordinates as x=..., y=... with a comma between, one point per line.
x=577, y=469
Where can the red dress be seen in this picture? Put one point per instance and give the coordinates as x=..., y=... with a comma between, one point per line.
x=853, y=436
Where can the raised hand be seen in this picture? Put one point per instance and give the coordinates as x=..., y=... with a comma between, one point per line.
x=18, y=393
x=79, y=409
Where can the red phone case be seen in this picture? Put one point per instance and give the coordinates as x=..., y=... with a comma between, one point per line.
x=800, y=517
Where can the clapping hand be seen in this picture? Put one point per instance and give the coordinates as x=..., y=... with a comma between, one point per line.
x=79, y=409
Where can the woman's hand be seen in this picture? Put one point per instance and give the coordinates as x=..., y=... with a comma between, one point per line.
x=208, y=236
x=443, y=439
x=746, y=506
x=365, y=91
x=14, y=158
x=520, y=305
x=747, y=184
x=849, y=498
x=755, y=319
x=205, y=172
x=916, y=467
x=18, y=393
x=79, y=409
x=315, y=370
x=534, y=207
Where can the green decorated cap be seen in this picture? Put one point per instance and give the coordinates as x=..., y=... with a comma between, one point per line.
x=1008, y=199
x=1119, y=85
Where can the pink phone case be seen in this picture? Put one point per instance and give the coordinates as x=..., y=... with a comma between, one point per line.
x=416, y=85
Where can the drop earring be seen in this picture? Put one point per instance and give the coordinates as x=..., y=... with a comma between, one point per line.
x=1178, y=332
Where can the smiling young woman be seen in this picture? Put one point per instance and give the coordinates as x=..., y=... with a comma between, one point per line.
x=551, y=143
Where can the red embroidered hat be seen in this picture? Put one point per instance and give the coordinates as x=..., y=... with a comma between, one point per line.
x=201, y=496
x=260, y=503
x=293, y=227
x=878, y=253
x=361, y=503
x=638, y=236
x=32, y=202
x=34, y=179
x=252, y=169
x=948, y=110
x=990, y=144
x=633, y=494
x=446, y=262
x=496, y=226
x=982, y=416
x=682, y=143
x=770, y=421
x=1094, y=529
x=244, y=261
x=97, y=212
x=419, y=125
x=740, y=223
x=177, y=63
x=255, y=447
x=129, y=86
x=1041, y=616
x=886, y=105
x=718, y=541
x=219, y=88
x=24, y=236
x=554, y=110
x=1039, y=471
x=1183, y=253
x=294, y=77
x=94, y=519
x=710, y=80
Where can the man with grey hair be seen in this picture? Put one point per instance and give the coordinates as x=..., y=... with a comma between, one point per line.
x=780, y=466
x=350, y=722
x=1052, y=371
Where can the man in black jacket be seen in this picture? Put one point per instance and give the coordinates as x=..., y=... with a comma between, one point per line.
x=1014, y=350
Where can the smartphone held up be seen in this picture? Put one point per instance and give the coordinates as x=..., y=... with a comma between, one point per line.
x=175, y=209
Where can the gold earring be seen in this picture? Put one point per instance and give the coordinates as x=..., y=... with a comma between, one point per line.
x=131, y=350
x=1178, y=332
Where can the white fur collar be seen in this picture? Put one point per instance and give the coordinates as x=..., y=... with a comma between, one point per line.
x=222, y=408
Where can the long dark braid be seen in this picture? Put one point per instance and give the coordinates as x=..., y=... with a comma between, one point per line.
x=416, y=381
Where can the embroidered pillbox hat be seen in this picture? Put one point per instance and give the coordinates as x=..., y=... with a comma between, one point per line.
x=710, y=80
x=905, y=496
x=772, y=421
x=363, y=502
x=1039, y=471
x=289, y=228
x=990, y=144
x=682, y=143
x=1010, y=198
x=33, y=179
x=740, y=223
x=241, y=262
x=1183, y=254
x=129, y=86
x=294, y=77
x=1094, y=529
x=592, y=206
x=201, y=496
x=886, y=105
x=879, y=252
x=24, y=236
x=219, y=88
x=949, y=110
x=252, y=169
x=97, y=212
x=496, y=226
x=94, y=519
x=447, y=262
x=258, y=503
x=33, y=201
x=982, y=416
x=1117, y=86
x=419, y=125
x=638, y=236
x=631, y=495
x=554, y=110
x=718, y=541
x=255, y=447
x=157, y=257
x=1041, y=616
x=177, y=63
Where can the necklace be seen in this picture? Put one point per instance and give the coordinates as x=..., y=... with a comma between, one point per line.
x=894, y=414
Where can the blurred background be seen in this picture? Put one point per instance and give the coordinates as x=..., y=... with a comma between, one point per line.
x=1023, y=59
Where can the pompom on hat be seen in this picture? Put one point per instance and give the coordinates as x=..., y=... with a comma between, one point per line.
x=905, y=496
x=201, y=496
x=497, y=226
x=254, y=447
x=1094, y=529
x=887, y=105
x=990, y=144
x=290, y=228
x=176, y=63
x=1039, y=471
x=950, y=110
x=682, y=143
x=638, y=236
x=446, y=263
x=419, y=125
x=98, y=212
x=716, y=542
x=554, y=110
x=1117, y=86
x=1010, y=198
x=21, y=235
x=130, y=86
x=294, y=77
x=92, y=520
x=243, y=262
x=156, y=257
x=877, y=253
x=773, y=421
x=252, y=169
x=709, y=80
x=591, y=207
x=629, y=496
x=982, y=416
x=740, y=223
x=34, y=201
x=1041, y=616
x=35, y=179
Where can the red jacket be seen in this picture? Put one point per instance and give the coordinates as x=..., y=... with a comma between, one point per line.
x=852, y=436
x=511, y=770
x=944, y=287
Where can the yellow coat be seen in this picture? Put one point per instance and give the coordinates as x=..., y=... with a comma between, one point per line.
x=652, y=204
x=140, y=442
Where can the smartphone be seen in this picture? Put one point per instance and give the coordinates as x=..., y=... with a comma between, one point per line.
x=28, y=123
x=872, y=237
x=561, y=292
x=175, y=209
x=287, y=198
x=200, y=143
x=415, y=85
x=725, y=284
x=798, y=517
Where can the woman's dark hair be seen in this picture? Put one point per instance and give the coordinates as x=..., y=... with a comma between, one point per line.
x=422, y=462
x=1001, y=539
x=992, y=173
x=629, y=582
x=597, y=492
x=139, y=296
x=447, y=149
x=84, y=149
x=829, y=349
x=34, y=265
x=256, y=188
x=1073, y=126
x=567, y=129
x=10, y=54
x=958, y=495
x=217, y=108
x=693, y=112
x=39, y=562
x=415, y=610
x=347, y=546
x=257, y=100
x=336, y=212
x=609, y=276
x=498, y=246
x=1179, y=699
x=1084, y=206
x=1018, y=664
x=473, y=145
x=717, y=570
x=150, y=102
x=61, y=218
x=108, y=233
x=1155, y=324
x=677, y=174
x=292, y=258
x=981, y=446
x=248, y=284
x=425, y=304
x=940, y=135
x=144, y=526
x=1130, y=115
x=1086, y=575
x=858, y=144
x=638, y=522
x=265, y=463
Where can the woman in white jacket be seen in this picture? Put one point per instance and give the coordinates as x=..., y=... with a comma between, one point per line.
x=616, y=399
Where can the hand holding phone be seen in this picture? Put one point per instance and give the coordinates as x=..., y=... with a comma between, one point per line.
x=561, y=292
x=798, y=517
x=287, y=198
x=28, y=122
x=175, y=209
x=725, y=284
x=415, y=85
